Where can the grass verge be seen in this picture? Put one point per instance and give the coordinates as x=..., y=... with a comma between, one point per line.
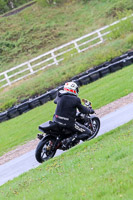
x=38, y=29
x=24, y=128
x=41, y=82
x=98, y=169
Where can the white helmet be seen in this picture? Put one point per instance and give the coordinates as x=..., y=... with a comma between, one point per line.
x=71, y=87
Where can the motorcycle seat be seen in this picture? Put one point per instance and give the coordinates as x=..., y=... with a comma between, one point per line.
x=47, y=126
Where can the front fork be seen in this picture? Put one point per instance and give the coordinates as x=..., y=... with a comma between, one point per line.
x=90, y=124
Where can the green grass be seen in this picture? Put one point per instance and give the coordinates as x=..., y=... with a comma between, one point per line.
x=25, y=127
x=41, y=82
x=38, y=29
x=98, y=169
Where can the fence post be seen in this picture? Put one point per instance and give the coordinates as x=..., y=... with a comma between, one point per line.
x=54, y=58
x=7, y=79
x=100, y=36
x=30, y=68
x=77, y=47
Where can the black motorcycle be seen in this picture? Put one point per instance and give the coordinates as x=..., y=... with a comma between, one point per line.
x=55, y=134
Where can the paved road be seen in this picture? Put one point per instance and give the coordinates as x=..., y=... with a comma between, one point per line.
x=27, y=161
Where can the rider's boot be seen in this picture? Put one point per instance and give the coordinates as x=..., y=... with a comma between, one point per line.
x=84, y=136
x=69, y=140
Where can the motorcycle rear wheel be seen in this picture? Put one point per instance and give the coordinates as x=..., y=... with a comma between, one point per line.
x=44, y=150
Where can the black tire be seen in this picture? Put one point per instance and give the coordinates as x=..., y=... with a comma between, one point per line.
x=42, y=149
x=96, y=127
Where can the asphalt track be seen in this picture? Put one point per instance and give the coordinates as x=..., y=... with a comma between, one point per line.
x=24, y=163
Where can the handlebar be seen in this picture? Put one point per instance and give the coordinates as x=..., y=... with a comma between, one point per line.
x=87, y=103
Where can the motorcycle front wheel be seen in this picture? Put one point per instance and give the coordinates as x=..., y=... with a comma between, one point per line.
x=95, y=126
x=44, y=150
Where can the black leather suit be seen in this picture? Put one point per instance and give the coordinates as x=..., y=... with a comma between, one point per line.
x=65, y=113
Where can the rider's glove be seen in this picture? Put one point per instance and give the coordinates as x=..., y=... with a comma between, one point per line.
x=91, y=110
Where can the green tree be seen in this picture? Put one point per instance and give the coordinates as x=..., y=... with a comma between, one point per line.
x=6, y=5
x=3, y=6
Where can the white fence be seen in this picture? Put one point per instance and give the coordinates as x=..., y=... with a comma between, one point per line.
x=55, y=56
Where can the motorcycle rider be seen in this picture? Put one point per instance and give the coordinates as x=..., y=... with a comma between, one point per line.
x=68, y=102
